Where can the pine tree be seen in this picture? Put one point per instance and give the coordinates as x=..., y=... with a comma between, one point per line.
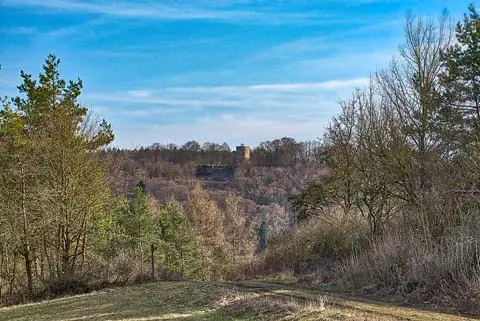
x=461, y=77
x=175, y=240
x=73, y=193
x=135, y=220
x=262, y=237
x=461, y=99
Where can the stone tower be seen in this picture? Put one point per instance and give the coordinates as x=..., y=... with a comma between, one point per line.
x=242, y=153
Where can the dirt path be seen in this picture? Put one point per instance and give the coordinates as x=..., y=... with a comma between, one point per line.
x=357, y=305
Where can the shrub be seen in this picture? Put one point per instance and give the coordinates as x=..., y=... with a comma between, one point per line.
x=317, y=244
x=66, y=285
x=447, y=273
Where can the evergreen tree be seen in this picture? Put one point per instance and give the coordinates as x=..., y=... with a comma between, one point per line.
x=76, y=193
x=461, y=77
x=262, y=237
x=175, y=240
x=141, y=214
x=110, y=230
x=51, y=141
x=461, y=99
x=135, y=219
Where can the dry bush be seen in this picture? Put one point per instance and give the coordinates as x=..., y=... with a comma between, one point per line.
x=66, y=285
x=316, y=246
x=445, y=273
x=245, y=270
x=126, y=268
x=167, y=275
x=442, y=268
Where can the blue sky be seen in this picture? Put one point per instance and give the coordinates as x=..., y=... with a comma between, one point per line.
x=235, y=71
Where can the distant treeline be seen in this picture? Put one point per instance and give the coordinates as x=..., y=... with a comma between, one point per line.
x=282, y=151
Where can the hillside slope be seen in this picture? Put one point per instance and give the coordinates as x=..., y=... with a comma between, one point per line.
x=213, y=301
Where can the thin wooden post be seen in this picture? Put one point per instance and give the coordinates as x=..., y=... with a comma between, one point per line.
x=152, y=257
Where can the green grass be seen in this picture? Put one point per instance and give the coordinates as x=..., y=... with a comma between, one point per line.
x=185, y=301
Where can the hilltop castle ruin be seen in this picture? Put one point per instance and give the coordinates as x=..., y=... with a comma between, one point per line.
x=242, y=153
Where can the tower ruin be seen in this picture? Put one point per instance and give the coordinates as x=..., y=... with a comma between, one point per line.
x=242, y=153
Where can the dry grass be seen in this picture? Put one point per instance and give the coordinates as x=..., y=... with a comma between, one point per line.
x=404, y=265
x=213, y=301
x=447, y=275
x=318, y=242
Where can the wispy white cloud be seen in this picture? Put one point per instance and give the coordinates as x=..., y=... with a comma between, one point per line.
x=364, y=61
x=350, y=40
x=235, y=114
x=19, y=30
x=139, y=93
x=327, y=85
x=279, y=87
x=354, y=53
x=84, y=29
x=150, y=50
x=305, y=95
x=137, y=112
x=163, y=11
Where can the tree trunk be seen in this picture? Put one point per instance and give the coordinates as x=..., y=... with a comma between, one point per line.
x=26, y=239
x=29, y=271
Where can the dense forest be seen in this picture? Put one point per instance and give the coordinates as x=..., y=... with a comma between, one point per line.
x=77, y=215
x=387, y=200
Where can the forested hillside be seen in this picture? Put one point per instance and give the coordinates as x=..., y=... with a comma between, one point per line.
x=385, y=203
x=78, y=216
x=275, y=172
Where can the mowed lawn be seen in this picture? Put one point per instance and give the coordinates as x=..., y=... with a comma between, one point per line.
x=213, y=301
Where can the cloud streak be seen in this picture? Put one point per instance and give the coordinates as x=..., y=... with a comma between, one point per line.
x=237, y=114
x=19, y=30
x=304, y=95
x=163, y=11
